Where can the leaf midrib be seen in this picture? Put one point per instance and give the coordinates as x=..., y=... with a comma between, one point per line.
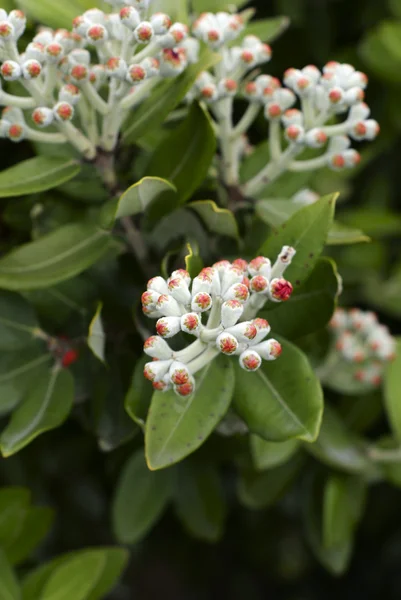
x=39, y=176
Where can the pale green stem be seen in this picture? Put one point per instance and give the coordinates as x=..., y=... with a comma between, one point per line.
x=136, y=97
x=204, y=359
x=275, y=140
x=308, y=112
x=95, y=99
x=191, y=352
x=151, y=50
x=78, y=140
x=50, y=81
x=383, y=455
x=248, y=118
x=299, y=166
x=19, y=102
x=271, y=172
x=43, y=136
x=340, y=129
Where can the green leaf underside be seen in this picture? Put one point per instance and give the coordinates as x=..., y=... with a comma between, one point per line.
x=151, y=115
x=185, y=156
x=139, y=395
x=14, y=504
x=392, y=391
x=217, y=220
x=141, y=498
x=35, y=527
x=177, y=427
x=141, y=195
x=96, y=336
x=9, y=588
x=310, y=307
x=53, y=258
x=307, y=232
x=17, y=321
x=193, y=262
x=36, y=175
x=282, y=400
x=267, y=455
x=45, y=407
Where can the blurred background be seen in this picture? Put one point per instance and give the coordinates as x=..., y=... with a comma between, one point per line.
x=263, y=554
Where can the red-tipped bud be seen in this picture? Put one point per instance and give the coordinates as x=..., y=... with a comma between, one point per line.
x=42, y=116
x=201, y=302
x=250, y=360
x=167, y=327
x=280, y=290
x=156, y=347
x=63, y=111
x=144, y=33
x=31, y=69
x=227, y=343
x=259, y=284
x=191, y=323
x=11, y=70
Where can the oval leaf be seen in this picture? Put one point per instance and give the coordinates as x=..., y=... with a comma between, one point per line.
x=282, y=400
x=36, y=175
x=185, y=156
x=14, y=504
x=9, y=588
x=217, y=220
x=392, y=392
x=45, y=407
x=306, y=231
x=76, y=578
x=175, y=428
x=96, y=336
x=17, y=322
x=140, y=500
x=35, y=527
x=55, y=257
x=267, y=455
x=140, y=195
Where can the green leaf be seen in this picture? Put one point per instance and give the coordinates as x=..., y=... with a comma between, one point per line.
x=258, y=490
x=184, y=157
x=199, y=501
x=176, y=9
x=193, y=262
x=9, y=588
x=14, y=504
x=139, y=395
x=141, y=498
x=343, y=504
x=19, y=370
x=341, y=235
x=307, y=232
x=76, y=577
x=175, y=428
x=200, y=6
x=337, y=446
x=168, y=95
x=392, y=391
x=17, y=322
x=36, y=526
x=55, y=257
x=140, y=195
x=282, y=400
x=217, y=220
x=46, y=12
x=96, y=336
x=115, y=562
x=36, y=175
x=311, y=306
x=267, y=30
x=46, y=406
x=267, y=455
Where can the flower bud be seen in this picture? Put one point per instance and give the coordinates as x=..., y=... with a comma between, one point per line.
x=191, y=323
x=97, y=34
x=252, y=92
x=7, y=31
x=43, y=116
x=280, y=290
x=250, y=360
x=238, y=291
x=231, y=312
x=185, y=390
x=191, y=47
x=203, y=282
x=130, y=17
x=284, y=259
x=63, y=111
x=336, y=95
x=292, y=116
x=183, y=274
x=54, y=52
x=156, y=347
x=227, y=87
x=136, y=74
x=172, y=62
x=79, y=73
x=231, y=276
x=168, y=306
x=295, y=133
x=201, y=302
x=227, y=343
x=158, y=284
x=156, y=370
x=69, y=93
x=149, y=300
x=315, y=138
x=259, y=284
x=31, y=69
x=116, y=67
x=263, y=329
x=179, y=32
x=354, y=96
x=144, y=33
x=151, y=66
x=16, y=132
x=10, y=70
x=269, y=350
x=179, y=373
x=18, y=19
x=35, y=50
x=209, y=93
x=168, y=327
x=260, y=266
x=161, y=23
x=243, y=332
x=179, y=290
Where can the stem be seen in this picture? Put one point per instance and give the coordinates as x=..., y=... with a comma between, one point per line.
x=271, y=172
x=391, y=455
x=50, y=82
x=48, y=138
x=308, y=165
x=202, y=360
x=134, y=98
x=135, y=240
x=94, y=98
x=339, y=129
x=19, y=102
x=150, y=50
x=307, y=109
x=191, y=352
x=247, y=119
x=275, y=140
x=230, y=162
x=78, y=140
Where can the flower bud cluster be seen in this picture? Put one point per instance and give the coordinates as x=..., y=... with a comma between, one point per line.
x=123, y=55
x=219, y=308
x=360, y=340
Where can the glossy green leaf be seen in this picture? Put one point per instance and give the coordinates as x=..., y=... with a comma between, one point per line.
x=307, y=232
x=185, y=156
x=267, y=30
x=258, y=490
x=168, y=95
x=282, y=400
x=176, y=9
x=268, y=455
x=177, y=427
x=14, y=505
x=199, y=6
x=392, y=392
x=343, y=503
x=140, y=195
x=35, y=527
x=76, y=577
x=57, y=15
x=55, y=257
x=96, y=335
x=139, y=395
x=17, y=322
x=141, y=498
x=45, y=407
x=310, y=307
x=199, y=501
x=193, y=262
x=9, y=587
x=19, y=370
x=36, y=175
x=337, y=446
x=217, y=220
x=341, y=235
x=115, y=561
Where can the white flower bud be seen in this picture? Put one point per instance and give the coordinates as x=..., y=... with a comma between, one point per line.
x=7, y=31
x=201, y=302
x=10, y=70
x=238, y=291
x=269, y=350
x=263, y=329
x=315, y=138
x=151, y=66
x=18, y=20
x=295, y=134
x=43, y=116
x=192, y=49
x=156, y=347
x=354, y=95
x=227, y=343
x=172, y=62
x=130, y=17
x=31, y=69
x=168, y=327
x=179, y=373
x=231, y=276
x=244, y=332
x=191, y=323
x=179, y=290
x=116, y=67
x=97, y=34
x=250, y=360
x=283, y=261
x=260, y=266
x=15, y=132
x=168, y=307
x=144, y=33
x=157, y=370
x=231, y=312
x=136, y=74
x=158, y=284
